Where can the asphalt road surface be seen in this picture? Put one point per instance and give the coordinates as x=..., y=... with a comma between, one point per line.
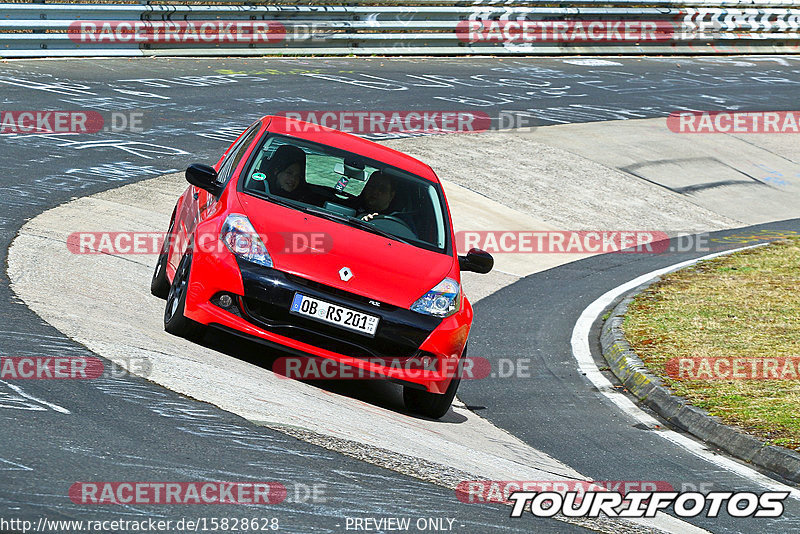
x=125, y=428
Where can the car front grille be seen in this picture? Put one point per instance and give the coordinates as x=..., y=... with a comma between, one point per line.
x=268, y=297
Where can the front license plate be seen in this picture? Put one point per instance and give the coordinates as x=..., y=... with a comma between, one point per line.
x=334, y=314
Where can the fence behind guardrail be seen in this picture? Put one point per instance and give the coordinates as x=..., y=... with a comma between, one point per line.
x=427, y=27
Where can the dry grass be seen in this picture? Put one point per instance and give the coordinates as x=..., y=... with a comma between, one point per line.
x=743, y=305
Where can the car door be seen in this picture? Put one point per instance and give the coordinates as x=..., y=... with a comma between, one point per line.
x=196, y=203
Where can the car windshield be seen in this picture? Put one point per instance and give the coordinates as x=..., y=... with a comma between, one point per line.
x=349, y=189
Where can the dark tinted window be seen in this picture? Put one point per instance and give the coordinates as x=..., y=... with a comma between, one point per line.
x=237, y=152
x=350, y=189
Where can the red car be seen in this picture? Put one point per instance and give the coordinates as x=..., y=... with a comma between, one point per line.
x=323, y=244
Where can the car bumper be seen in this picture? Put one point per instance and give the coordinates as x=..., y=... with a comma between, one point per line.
x=261, y=301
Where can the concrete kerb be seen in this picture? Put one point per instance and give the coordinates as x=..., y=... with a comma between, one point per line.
x=650, y=389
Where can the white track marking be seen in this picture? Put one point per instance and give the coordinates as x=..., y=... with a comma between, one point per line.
x=18, y=389
x=583, y=354
x=14, y=466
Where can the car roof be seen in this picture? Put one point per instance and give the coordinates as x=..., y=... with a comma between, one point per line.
x=345, y=141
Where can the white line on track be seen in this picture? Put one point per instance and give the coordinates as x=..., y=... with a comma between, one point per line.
x=18, y=389
x=14, y=466
x=583, y=354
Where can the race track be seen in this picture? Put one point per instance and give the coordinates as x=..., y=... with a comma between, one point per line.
x=570, y=173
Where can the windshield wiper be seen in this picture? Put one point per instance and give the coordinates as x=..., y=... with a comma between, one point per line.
x=354, y=221
x=364, y=225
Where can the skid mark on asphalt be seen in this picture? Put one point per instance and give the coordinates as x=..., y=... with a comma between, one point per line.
x=8, y=465
x=25, y=401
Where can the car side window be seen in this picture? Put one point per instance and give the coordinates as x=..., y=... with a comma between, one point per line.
x=236, y=154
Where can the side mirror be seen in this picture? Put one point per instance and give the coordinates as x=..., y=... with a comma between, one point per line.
x=477, y=261
x=204, y=177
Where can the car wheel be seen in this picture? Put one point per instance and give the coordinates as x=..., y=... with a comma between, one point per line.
x=433, y=405
x=159, y=285
x=174, y=320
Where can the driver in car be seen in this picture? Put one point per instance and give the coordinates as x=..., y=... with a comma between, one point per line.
x=376, y=200
x=377, y=196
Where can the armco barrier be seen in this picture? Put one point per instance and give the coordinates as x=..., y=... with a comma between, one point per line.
x=427, y=27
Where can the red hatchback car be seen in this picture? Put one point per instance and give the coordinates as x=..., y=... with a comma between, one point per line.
x=323, y=244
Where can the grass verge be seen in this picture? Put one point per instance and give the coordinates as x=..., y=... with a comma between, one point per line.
x=746, y=305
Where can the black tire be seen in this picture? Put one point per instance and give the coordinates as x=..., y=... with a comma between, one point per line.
x=159, y=285
x=174, y=321
x=433, y=405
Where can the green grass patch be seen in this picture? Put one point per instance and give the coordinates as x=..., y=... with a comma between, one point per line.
x=743, y=305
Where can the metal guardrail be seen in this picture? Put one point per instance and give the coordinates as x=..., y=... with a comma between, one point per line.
x=442, y=3
x=429, y=27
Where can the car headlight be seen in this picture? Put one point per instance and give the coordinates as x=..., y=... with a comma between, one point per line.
x=241, y=238
x=441, y=301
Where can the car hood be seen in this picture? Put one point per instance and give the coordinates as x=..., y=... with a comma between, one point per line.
x=318, y=249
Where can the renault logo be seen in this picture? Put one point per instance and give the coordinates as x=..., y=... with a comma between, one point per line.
x=345, y=274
